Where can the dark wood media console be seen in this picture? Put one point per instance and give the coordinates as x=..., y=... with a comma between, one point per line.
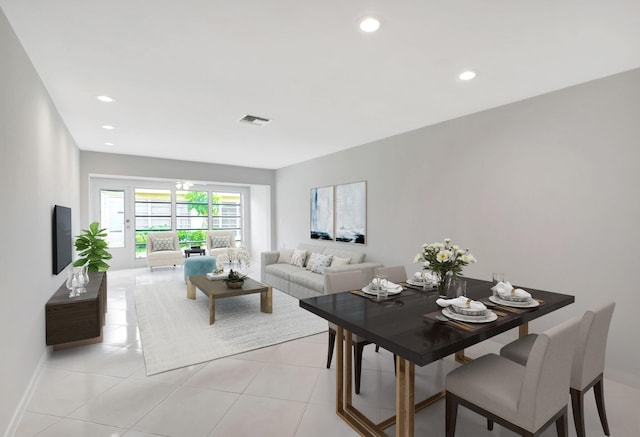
x=73, y=321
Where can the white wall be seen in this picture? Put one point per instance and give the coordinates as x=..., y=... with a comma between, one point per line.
x=545, y=190
x=38, y=169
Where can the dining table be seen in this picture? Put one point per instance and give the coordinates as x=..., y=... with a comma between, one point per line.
x=407, y=325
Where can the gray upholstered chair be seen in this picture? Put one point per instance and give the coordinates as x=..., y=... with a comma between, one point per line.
x=525, y=399
x=588, y=362
x=338, y=283
x=395, y=274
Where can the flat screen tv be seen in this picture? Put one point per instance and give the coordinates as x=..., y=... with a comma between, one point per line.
x=62, y=245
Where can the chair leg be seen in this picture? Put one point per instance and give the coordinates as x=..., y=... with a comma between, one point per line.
x=577, y=405
x=357, y=358
x=395, y=369
x=451, y=413
x=562, y=425
x=598, y=391
x=332, y=343
x=377, y=348
x=490, y=424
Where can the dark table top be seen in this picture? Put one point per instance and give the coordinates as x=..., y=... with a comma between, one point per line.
x=398, y=325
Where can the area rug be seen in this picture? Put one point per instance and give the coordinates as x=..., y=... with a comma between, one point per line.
x=175, y=331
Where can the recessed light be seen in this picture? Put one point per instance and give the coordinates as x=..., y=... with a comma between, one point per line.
x=467, y=75
x=105, y=99
x=369, y=24
x=109, y=144
x=107, y=127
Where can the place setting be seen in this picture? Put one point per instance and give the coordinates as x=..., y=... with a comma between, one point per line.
x=509, y=297
x=381, y=289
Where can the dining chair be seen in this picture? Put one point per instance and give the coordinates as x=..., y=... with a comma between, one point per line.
x=395, y=274
x=588, y=362
x=525, y=399
x=338, y=283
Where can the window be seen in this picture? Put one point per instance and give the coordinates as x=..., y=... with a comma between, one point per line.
x=153, y=213
x=192, y=217
x=226, y=213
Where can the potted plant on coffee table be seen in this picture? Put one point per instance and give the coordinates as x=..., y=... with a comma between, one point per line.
x=235, y=279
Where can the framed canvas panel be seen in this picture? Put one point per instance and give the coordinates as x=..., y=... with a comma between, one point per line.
x=351, y=212
x=322, y=213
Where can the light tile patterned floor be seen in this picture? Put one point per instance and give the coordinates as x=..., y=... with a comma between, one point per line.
x=280, y=391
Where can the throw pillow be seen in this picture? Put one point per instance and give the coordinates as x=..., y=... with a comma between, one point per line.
x=221, y=241
x=312, y=260
x=158, y=244
x=338, y=261
x=298, y=257
x=285, y=256
x=321, y=263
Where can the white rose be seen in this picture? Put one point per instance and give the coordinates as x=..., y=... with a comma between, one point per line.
x=417, y=258
x=447, y=240
x=455, y=247
x=444, y=255
x=426, y=264
x=460, y=252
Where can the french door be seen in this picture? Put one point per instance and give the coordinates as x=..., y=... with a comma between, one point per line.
x=112, y=208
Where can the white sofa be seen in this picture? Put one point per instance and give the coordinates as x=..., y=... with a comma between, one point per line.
x=159, y=254
x=214, y=249
x=302, y=283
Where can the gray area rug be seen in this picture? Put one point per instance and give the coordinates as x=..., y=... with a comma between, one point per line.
x=175, y=331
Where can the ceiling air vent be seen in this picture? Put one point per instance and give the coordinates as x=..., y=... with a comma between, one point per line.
x=254, y=120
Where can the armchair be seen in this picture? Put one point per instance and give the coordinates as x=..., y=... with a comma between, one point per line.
x=163, y=249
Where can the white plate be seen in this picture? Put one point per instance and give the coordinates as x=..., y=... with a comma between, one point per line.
x=489, y=316
x=390, y=291
x=418, y=283
x=531, y=304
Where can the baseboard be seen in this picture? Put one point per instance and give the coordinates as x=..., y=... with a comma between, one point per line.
x=26, y=396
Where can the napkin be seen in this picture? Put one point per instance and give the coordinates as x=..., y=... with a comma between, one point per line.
x=386, y=284
x=505, y=288
x=461, y=301
x=428, y=276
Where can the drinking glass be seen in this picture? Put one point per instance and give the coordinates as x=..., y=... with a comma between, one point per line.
x=460, y=287
x=380, y=284
x=498, y=277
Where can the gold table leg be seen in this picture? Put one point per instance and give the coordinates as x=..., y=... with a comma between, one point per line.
x=523, y=330
x=405, y=398
x=266, y=299
x=191, y=289
x=212, y=309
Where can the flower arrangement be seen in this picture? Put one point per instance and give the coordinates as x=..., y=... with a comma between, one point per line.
x=239, y=255
x=444, y=259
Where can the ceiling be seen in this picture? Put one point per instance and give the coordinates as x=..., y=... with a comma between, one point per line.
x=183, y=73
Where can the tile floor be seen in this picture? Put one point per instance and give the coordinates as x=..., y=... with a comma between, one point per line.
x=280, y=391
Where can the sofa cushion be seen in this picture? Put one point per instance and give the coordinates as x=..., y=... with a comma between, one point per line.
x=339, y=261
x=321, y=263
x=298, y=258
x=160, y=244
x=308, y=280
x=311, y=260
x=221, y=241
x=283, y=271
x=356, y=257
x=285, y=256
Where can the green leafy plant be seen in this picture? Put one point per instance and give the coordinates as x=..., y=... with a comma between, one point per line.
x=92, y=248
x=234, y=276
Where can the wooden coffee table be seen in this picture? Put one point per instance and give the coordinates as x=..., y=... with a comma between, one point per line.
x=217, y=289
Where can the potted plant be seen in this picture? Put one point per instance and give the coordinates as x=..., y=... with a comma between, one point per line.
x=235, y=279
x=92, y=249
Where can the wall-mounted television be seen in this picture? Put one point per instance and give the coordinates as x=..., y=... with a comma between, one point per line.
x=62, y=245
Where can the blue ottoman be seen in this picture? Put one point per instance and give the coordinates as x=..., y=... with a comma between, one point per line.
x=199, y=265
